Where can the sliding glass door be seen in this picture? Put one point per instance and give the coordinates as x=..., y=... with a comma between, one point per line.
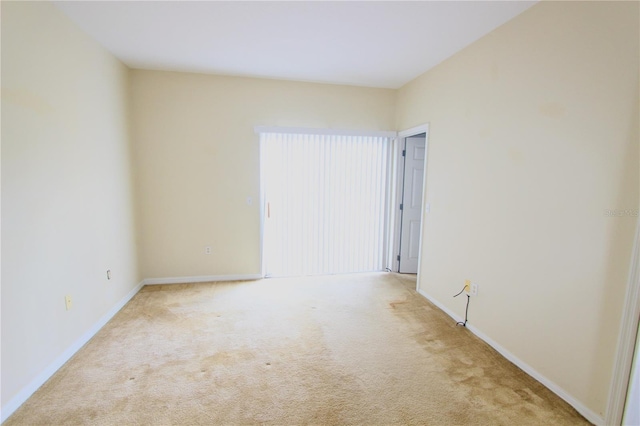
x=325, y=203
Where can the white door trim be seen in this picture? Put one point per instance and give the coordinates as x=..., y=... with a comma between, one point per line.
x=399, y=172
x=319, y=131
x=423, y=128
x=263, y=205
x=626, y=339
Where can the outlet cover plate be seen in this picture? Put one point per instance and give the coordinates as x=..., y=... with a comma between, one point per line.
x=474, y=289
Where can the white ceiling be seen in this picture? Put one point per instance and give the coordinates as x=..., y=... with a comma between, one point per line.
x=376, y=44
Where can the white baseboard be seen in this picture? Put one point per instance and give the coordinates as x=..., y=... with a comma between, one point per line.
x=41, y=378
x=553, y=387
x=201, y=279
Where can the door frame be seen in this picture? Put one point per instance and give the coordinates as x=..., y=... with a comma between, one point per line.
x=396, y=220
x=627, y=337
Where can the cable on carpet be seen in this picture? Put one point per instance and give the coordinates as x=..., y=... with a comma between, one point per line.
x=466, y=312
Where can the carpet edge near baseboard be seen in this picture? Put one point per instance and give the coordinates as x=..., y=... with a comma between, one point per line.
x=200, y=279
x=549, y=384
x=25, y=393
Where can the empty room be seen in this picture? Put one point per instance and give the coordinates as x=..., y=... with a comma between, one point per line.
x=325, y=213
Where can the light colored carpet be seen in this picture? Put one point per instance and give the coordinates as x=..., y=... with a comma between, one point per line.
x=333, y=350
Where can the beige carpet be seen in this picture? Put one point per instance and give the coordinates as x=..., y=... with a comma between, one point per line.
x=355, y=349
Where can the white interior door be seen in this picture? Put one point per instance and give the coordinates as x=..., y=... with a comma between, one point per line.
x=415, y=151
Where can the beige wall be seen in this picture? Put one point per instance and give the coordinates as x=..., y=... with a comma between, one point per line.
x=197, y=160
x=533, y=135
x=67, y=212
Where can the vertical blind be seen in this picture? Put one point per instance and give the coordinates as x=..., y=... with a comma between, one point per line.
x=326, y=199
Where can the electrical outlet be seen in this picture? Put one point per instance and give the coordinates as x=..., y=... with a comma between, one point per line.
x=474, y=289
x=467, y=286
x=207, y=250
x=68, y=303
